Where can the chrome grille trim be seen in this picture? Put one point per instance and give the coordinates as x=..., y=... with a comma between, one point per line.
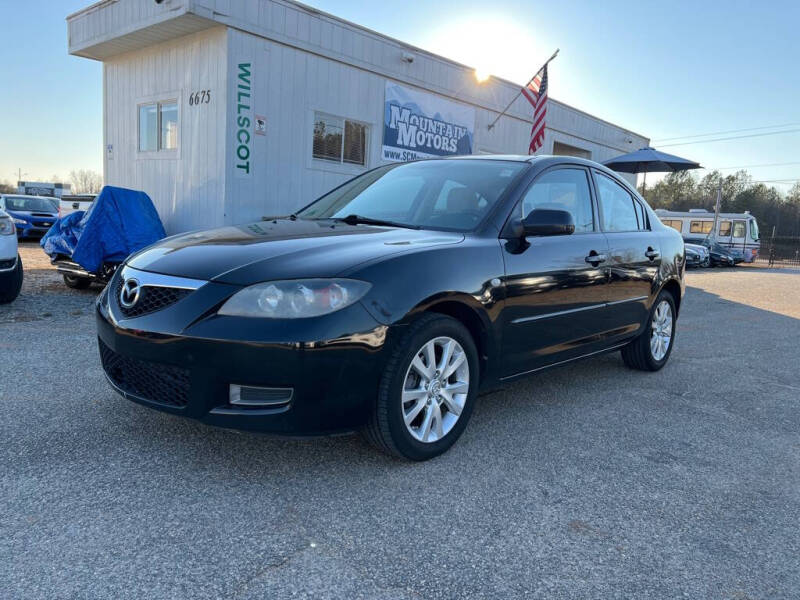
x=146, y=278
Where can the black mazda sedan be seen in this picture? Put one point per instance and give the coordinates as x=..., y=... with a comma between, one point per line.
x=386, y=305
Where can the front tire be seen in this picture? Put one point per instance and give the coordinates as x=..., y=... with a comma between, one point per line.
x=76, y=283
x=651, y=349
x=11, y=283
x=427, y=391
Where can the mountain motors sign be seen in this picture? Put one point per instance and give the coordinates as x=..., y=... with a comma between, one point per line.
x=420, y=125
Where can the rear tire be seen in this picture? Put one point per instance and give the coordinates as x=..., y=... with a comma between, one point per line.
x=651, y=349
x=77, y=283
x=11, y=283
x=440, y=413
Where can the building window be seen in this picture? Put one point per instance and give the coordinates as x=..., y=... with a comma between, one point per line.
x=339, y=140
x=701, y=226
x=158, y=126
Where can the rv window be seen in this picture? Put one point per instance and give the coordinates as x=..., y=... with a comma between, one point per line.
x=700, y=226
x=725, y=228
x=675, y=224
x=738, y=229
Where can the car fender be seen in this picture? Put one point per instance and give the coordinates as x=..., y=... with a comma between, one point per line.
x=439, y=279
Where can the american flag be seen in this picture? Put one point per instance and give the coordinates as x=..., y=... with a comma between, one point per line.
x=536, y=93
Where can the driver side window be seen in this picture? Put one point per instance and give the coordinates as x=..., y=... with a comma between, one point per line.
x=562, y=189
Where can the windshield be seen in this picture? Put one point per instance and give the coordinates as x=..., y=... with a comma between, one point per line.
x=754, y=230
x=451, y=194
x=30, y=203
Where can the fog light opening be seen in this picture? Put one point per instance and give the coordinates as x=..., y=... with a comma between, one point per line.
x=259, y=397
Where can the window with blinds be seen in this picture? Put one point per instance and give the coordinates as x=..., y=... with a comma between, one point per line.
x=339, y=140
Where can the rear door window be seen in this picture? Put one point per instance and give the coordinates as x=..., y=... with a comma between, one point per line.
x=618, y=212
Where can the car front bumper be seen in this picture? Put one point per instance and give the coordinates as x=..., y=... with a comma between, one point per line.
x=31, y=231
x=693, y=260
x=331, y=365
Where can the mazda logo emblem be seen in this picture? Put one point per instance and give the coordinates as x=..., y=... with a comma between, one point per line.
x=129, y=294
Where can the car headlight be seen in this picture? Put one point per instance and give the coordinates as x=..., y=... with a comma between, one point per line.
x=294, y=299
x=6, y=226
x=19, y=221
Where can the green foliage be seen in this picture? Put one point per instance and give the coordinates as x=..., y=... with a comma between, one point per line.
x=683, y=190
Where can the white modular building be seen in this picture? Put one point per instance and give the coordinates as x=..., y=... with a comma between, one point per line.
x=225, y=111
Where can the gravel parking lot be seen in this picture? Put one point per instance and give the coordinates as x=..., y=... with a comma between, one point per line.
x=588, y=481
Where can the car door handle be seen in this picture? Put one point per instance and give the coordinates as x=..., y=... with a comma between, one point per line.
x=595, y=258
x=652, y=254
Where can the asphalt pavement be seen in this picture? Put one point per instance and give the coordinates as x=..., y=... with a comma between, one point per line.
x=586, y=481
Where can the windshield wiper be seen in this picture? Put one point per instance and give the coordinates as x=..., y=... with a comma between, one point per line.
x=360, y=219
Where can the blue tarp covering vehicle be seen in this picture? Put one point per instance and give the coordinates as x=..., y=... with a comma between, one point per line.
x=88, y=246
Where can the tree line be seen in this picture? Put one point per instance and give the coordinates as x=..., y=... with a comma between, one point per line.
x=683, y=190
x=82, y=181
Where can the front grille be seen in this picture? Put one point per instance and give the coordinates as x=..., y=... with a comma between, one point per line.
x=155, y=382
x=151, y=299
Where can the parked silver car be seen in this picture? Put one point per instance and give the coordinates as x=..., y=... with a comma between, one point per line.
x=10, y=262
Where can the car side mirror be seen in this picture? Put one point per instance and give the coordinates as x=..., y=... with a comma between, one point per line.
x=546, y=221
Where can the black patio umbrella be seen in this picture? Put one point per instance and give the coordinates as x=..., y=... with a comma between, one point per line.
x=649, y=160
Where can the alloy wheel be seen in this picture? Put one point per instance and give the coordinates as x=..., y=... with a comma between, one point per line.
x=661, y=330
x=435, y=389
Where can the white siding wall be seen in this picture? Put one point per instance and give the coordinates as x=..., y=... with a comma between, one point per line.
x=303, y=61
x=187, y=186
x=291, y=84
x=292, y=24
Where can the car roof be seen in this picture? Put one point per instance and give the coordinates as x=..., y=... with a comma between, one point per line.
x=541, y=160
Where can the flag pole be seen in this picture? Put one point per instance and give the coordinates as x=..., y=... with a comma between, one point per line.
x=520, y=91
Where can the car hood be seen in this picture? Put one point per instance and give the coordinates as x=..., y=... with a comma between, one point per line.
x=280, y=249
x=32, y=214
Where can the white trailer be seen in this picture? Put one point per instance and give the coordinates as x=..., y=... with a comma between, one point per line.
x=224, y=112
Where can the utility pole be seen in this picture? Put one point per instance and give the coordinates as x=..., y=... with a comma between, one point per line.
x=20, y=174
x=717, y=208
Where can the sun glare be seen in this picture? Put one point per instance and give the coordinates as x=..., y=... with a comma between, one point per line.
x=490, y=45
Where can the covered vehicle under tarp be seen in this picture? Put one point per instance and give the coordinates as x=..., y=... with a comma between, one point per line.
x=119, y=223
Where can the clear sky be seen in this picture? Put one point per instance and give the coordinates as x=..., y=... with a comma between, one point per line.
x=661, y=69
